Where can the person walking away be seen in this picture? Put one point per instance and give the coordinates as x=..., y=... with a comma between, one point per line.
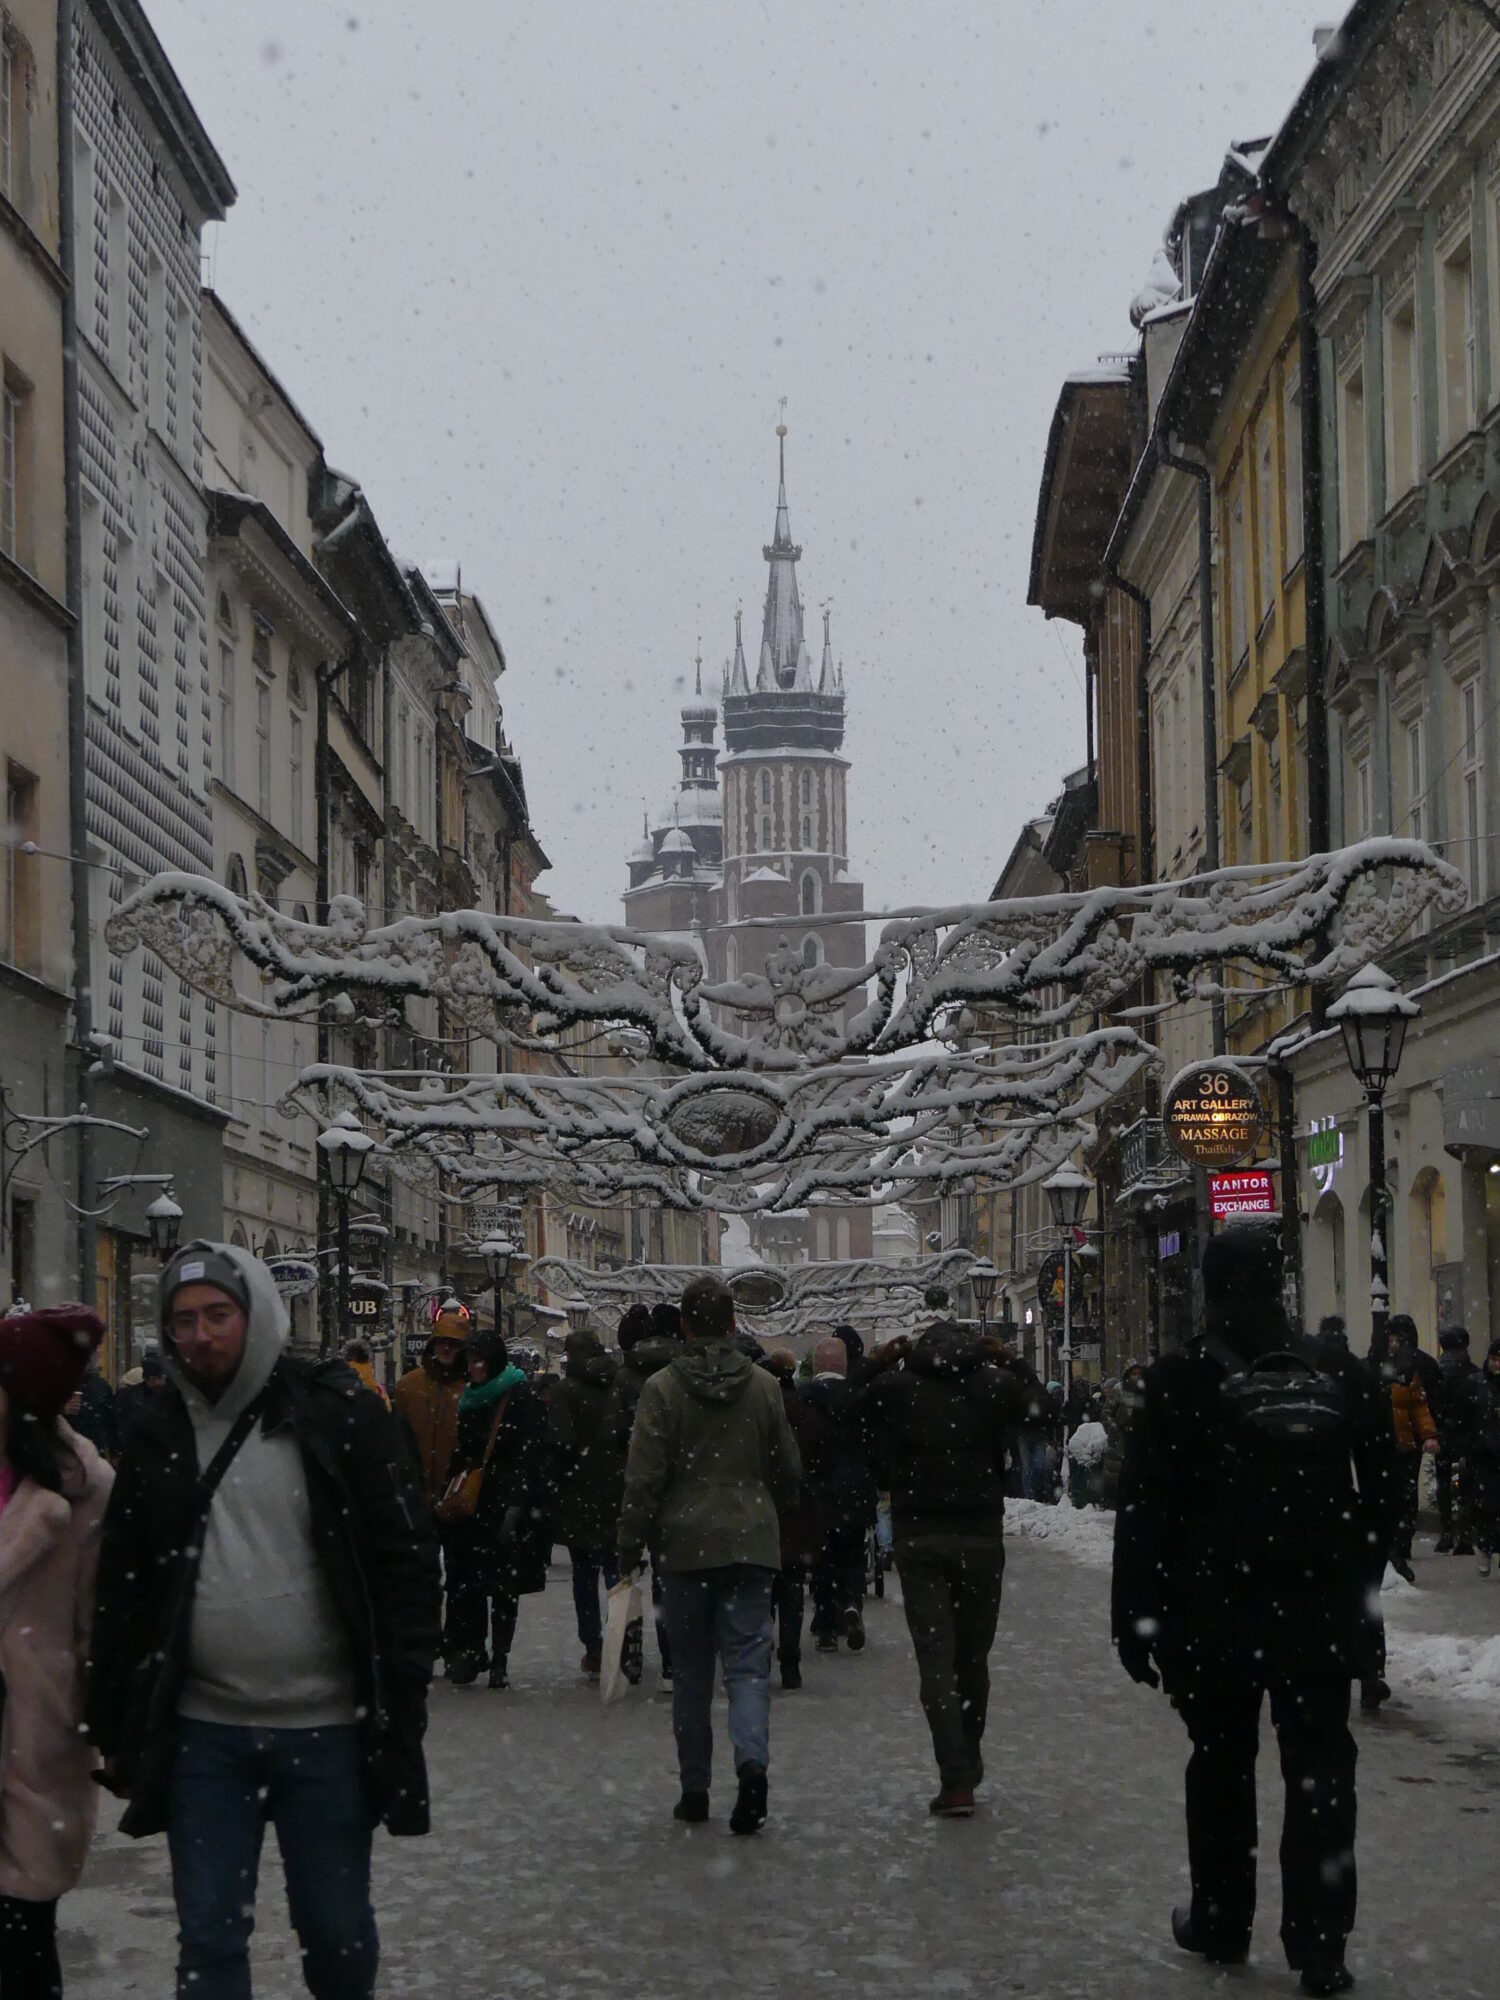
x=1257, y=1498
x=133, y=1399
x=936, y=1414
x=840, y=1485
x=649, y=1337
x=263, y=1636
x=712, y=1463
x=801, y=1533
x=426, y=1400
x=500, y=1551
x=1482, y=1437
x=54, y=1485
x=589, y=1472
x=92, y=1412
x=359, y=1357
x=1456, y=1376
x=1415, y=1431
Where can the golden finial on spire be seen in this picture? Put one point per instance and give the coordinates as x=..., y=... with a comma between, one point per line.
x=781, y=427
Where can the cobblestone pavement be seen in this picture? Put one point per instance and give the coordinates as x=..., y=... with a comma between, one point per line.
x=556, y=1870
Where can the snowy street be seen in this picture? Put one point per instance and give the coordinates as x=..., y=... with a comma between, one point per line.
x=555, y=1867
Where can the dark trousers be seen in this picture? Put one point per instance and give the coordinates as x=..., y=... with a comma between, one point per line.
x=951, y=1587
x=1453, y=1495
x=1407, y=1491
x=450, y=1541
x=1318, y=1888
x=838, y=1578
x=474, y=1598
x=589, y=1566
x=28, y=1950
x=789, y=1601
x=227, y=1783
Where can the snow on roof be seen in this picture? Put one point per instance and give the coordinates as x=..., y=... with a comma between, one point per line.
x=695, y=805
x=1104, y=372
x=1161, y=286
x=700, y=709
x=677, y=842
x=766, y=875
x=441, y=573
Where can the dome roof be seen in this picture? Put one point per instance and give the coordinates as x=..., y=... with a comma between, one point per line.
x=696, y=805
x=677, y=842
x=700, y=709
x=645, y=852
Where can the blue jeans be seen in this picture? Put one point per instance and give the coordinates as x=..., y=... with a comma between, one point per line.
x=1036, y=1480
x=227, y=1782
x=589, y=1565
x=724, y=1613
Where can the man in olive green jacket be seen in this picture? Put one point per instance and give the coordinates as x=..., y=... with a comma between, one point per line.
x=712, y=1462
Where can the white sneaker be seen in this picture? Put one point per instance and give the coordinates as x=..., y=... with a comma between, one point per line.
x=1483, y=1561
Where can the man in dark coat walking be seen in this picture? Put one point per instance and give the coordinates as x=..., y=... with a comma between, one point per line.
x=1456, y=1373
x=589, y=1471
x=937, y=1426
x=840, y=1489
x=649, y=1337
x=1245, y=1548
x=266, y=1623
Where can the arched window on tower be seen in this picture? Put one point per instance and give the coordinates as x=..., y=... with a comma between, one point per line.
x=765, y=833
x=807, y=830
x=765, y=788
x=809, y=894
x=807, y=788
x=812, y=952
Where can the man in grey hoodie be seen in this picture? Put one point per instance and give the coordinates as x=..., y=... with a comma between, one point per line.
x=712, y=1464
x=266, y=1624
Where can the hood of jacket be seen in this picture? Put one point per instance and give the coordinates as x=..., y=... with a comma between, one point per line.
x=714, y=1370
x=945, y=1350
x=588, y=1360
x=649, y=1356
x=267, y=1336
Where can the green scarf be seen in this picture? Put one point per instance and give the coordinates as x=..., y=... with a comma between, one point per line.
x=481, y=1395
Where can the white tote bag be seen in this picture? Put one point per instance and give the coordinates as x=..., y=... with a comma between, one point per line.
x=625, y=1605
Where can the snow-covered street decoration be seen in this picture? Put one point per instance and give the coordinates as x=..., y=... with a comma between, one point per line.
x=1042, y=960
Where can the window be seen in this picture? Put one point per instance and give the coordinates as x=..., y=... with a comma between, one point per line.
x=156, y=343
x=806, y=830
x=1238, y=641
x=1265, y=510
x=15, y=64
x=403, y=768
x=1291, y=458
x=294, y=688
x=226, y=714
x=93, y=596
x=765, y=788
x=1471, y=785
x=809, y=895
x=1403, y=415
x=1457, y=356
x=810, y=952
x=807, y=788
x=21, y=935
x=1273, y=771
x=263, y=750
x=1354, y=468
x=765, y=833
x=296, y=764
x=1418, y=819
x=10, y=470
x=83, y=241
x=127, y=576
x=1363, y=799
x=7, y=78
x=164, y=624
x=117, y=268
x=260, y=646
x=182, y=367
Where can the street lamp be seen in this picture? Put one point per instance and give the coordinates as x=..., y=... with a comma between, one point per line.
x=983, y=1278
x=578, y=1314
x=1067, y=1193
x=1372, y=1013
x=500, y=1255
x=164, y=1225
x=345, y=1147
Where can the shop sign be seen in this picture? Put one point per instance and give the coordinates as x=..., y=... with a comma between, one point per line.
x=1325, y=1151
x=1051, y=1285
x=367, y=1297
x=1169, y=1244
x=1213, y=1114
x=1471, y=1109
x=293, y=1277
x=1248, y=1193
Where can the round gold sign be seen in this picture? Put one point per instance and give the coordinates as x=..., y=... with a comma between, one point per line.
x=1212, y=1116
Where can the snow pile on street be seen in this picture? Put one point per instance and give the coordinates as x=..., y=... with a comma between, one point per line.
x=1468, y=1668
x=1086, y=1533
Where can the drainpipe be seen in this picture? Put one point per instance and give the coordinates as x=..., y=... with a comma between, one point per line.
x=1199, y=471
x=1314, y=576
x=1145, y=831
x=78, y=824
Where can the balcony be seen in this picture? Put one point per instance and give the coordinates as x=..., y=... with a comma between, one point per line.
x=1148, y=1166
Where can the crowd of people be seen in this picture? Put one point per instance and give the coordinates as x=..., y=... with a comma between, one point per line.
x=224, y=1590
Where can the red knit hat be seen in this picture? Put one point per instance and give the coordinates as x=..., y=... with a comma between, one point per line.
x=45, y=1355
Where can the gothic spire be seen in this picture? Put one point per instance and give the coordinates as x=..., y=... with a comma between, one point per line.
x=739, y=677
x=781, y=638
x=826, y=682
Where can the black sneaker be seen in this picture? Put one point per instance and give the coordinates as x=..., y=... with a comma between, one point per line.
x=791, y=1675
x=499, y=1678
x=828, y=1642
x=1186, y=1933
x=854, y=1629
x=749, y=1814
x=691, y=1808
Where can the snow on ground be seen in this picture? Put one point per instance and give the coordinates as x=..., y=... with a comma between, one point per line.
x=1445, y=1664
x=1086, y=1533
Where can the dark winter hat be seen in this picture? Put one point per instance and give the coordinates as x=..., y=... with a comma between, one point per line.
x=1454, y=1339
x=635, y=1324
x=1244, y=1264
x=488, y=1347
x=44, y=1356
x=853, y=1343
x=582, y=1345
x=666, y=1320
x=202, y=1263
x=153, y=1368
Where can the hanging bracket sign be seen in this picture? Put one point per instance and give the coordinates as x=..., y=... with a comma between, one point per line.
x=1212, y=1116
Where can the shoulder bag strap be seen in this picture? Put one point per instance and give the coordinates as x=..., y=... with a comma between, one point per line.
x=494, y=1429
x=224, y=1457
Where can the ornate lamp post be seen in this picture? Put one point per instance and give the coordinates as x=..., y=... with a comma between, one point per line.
x=345, y=1147
x=983, y=1278
x=164, y=1225
x=1067, y=1193
x=1372, y=1013
x=578, y=1314
x=499, y=1255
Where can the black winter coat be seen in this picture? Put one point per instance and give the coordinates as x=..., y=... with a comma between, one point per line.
x=838, y=1481
x=636, y=1368
x=937, y=1430
x=588, y=1460
x=1453, y=1408
x=372, y=1535
x=1224, y=1569
x=518, y=1475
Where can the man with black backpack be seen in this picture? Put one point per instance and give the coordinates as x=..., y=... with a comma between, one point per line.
x=1257, y=1501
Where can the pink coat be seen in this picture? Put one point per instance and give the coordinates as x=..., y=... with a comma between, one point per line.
x=49, y=1552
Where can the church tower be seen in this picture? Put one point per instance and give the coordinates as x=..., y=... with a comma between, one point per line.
x=784, y=780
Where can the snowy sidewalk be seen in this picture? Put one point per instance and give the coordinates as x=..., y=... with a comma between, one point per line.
x=556, y=1870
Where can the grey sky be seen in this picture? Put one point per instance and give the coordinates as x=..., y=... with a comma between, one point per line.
x=539, y=274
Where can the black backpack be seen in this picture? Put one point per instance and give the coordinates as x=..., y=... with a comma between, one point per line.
x=1282, y=1412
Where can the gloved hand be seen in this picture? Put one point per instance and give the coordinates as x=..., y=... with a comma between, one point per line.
x=1135, y=1658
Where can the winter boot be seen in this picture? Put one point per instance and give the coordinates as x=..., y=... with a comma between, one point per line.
x=691, y=1808
x=791, y=1674
x=463, y=1670
x=1443, y=1546
x=1186, y=1933
x=1373, y=1692
x=590, y=1664
x=1402, y=1566
x=1324, y=1976
x=1483, y=1561
x=499, y=1678
x=749, y=1814
x=854, y=1629
x=664, y=1647
x=952, y=1802
x=633, y=1653
x=828, y=1642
